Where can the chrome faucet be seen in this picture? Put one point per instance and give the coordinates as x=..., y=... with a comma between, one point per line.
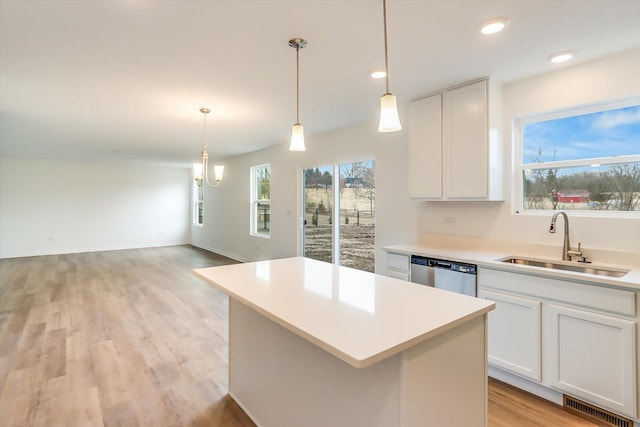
x=567, y=252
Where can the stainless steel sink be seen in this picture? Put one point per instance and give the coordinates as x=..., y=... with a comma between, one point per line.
x=578, y=268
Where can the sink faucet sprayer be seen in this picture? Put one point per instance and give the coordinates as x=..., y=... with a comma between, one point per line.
x=567, y=252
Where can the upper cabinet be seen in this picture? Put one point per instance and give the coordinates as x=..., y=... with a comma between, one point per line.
x=451, y=156
x=425, y=148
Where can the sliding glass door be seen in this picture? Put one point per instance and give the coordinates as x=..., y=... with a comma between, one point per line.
x=318, y=213
x=357, y=226
x=349, y=240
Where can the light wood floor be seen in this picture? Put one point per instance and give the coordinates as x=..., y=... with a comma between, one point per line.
x=133, y=338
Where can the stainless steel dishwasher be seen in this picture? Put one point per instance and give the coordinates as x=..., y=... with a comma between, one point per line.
x=452, y=276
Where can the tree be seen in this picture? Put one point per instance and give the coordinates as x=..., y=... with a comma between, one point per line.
x=624, y=181
x=263, y=176
x=369, y=185
x=326, y=179
x=540, y=187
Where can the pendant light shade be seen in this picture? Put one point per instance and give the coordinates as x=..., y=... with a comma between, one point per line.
x=297, y=131
x=389, y=119
x=218, y=171
x=297, y=138
x=197, y=172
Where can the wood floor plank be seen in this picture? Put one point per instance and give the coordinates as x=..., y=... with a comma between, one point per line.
x=120, y=415
x=133, y=338
x=510, y=407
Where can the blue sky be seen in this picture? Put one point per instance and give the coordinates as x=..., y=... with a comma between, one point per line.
x=602, y=134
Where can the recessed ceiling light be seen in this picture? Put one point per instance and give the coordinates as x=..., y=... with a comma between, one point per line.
x=494, y=25
x=378, y=73
x=560, y=57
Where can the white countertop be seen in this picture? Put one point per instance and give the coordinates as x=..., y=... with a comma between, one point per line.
x=490, y=258
x=359, y=317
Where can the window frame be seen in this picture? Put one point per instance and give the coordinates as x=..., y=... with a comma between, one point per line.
x=197, y=202
x=254, y=202
x=519, y=166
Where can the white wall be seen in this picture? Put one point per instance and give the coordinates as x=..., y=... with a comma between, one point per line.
x=226, y=220
x=51, y=207
x=606, y=79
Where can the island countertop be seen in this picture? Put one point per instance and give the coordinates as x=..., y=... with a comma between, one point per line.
x=359, y=317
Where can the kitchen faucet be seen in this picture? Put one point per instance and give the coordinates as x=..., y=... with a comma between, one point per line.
x=567, y=252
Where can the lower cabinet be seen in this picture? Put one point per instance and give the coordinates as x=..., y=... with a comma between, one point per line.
x=572, y=337
x=593, y=357
x=514, y=333
x=398, y=265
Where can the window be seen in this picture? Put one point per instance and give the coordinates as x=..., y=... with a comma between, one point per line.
x=585, y=159
x=261, y=201
x=198, y=203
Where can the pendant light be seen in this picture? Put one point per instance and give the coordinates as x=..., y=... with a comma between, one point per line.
x=201, y=171
x=389, y=120
x=297, y=131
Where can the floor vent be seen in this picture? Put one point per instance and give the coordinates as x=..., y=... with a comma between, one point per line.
x=592, y=412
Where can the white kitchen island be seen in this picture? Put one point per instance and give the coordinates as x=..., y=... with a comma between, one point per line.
x=315, y=344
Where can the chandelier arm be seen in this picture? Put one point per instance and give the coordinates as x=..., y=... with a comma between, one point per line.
x=205, y=174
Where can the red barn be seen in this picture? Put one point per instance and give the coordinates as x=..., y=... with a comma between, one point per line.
x=573, y=196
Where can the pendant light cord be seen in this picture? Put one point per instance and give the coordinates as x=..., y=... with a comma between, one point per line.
x=204, y=130
x=386, y=56
x=298, y=83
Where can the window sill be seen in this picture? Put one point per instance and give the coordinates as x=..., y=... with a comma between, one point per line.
x=263, y=236
x=578, y=213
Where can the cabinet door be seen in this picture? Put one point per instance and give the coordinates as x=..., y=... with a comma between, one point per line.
x=514, y=334
x=465, y=148
x=425, y=148
x=593, y=358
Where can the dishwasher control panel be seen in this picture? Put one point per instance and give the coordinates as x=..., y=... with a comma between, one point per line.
x=460, y=267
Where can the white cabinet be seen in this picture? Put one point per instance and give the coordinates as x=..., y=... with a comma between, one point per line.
x=594, y=357
x=465, y=154
x=450, y=154
x=398, y=265
x=567, y=336
x=514, y=333
x=425, y=148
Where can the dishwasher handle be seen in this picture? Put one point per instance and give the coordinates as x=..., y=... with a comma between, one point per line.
x=439, y=264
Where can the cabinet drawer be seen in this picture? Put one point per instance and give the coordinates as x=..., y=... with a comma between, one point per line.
x=398, y=275
x=398, y=262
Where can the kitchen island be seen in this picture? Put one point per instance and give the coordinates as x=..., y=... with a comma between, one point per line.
x=315, y=344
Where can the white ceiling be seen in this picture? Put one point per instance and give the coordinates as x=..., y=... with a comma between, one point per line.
x=123, y=80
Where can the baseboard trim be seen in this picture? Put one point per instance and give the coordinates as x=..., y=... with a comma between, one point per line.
x=526, y=385
x=94, y=249
x=219, y=252
x=241, y=406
